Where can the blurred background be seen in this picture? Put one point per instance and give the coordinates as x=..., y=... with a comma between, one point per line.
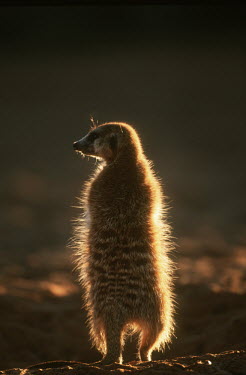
x=176, y=73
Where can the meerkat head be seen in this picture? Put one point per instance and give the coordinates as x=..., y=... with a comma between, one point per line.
x=101, y=142
x=106, y=141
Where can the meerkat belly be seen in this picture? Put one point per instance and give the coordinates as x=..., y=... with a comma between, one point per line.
x=121, y=270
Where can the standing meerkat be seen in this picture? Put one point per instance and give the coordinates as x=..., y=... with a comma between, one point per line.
x=122, y=244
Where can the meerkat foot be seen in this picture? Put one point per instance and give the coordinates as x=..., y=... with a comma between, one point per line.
x=144, y=357
x=108, y=360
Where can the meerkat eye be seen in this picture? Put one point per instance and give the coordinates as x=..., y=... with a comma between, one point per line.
x=92, y=137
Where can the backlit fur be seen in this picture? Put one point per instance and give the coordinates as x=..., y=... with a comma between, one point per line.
x=122, y=243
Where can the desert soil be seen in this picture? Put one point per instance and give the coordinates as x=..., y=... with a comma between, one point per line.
x=227, y=363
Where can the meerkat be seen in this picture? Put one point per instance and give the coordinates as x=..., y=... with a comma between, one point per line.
x=122, y=244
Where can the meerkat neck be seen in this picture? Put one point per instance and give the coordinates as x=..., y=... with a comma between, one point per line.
x=127, y=155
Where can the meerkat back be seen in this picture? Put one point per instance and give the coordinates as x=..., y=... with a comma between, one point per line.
x=122, y=243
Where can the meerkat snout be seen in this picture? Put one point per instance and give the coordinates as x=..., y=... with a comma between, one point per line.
x=99, y=143
x=76, y=146
x=86, y=144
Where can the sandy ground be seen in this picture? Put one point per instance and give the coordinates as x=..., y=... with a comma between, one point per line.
x=227, y=363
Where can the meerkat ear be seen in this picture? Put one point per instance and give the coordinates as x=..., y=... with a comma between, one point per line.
x=113, y=142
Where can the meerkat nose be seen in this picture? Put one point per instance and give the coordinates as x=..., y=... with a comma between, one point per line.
x=75, y=145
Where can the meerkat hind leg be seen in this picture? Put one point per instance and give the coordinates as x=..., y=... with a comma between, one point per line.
x=148, y=338
x=113, y=333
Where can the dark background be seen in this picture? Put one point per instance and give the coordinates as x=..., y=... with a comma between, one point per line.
x=176, y=73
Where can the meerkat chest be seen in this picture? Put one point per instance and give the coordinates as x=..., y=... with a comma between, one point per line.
x=108, y=190
x=117, y=195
